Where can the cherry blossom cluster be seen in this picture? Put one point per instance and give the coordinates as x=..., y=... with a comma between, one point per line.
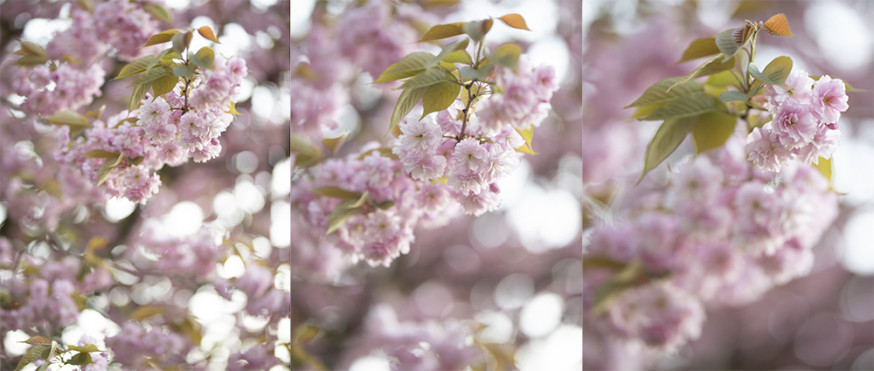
x=520, y=99
x=170, y=129
x=43, y=298
x=67, y=87
x=116, y=26
x=372, y=36
x=376, y=235
x=805, y=121
x=747, y=230
x=417, y=344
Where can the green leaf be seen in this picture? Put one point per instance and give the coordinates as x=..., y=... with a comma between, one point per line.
x=477, y=30
x=459, y=56
x=408, y=66
x=439, y=96
x=507, y=55
x=712, y=129
x=336, y=192
x=658, y=94
x=161, y=37
x=732, y=95
x=468, y=73
x=181, y=41
x=32, y=354
x=182, y=70
x=405, y=104
x=207, y=33
x=684, y=106
x=80, y=359
x=451, y=48
x=427, y=78
x=700, y=48
x=725, y=43
x=306, y=153
x=69, y=118
x=106, y=168
x=160, y=13
x=204, y=58
x=775, y=73
x=515, y=20
x=442, y=31
x=154, y=74
x=164, y=85
x=342, y=212
x=138, y=65
x=137, y=96
x=712, y=66
x=664, y=142
x=722, y=79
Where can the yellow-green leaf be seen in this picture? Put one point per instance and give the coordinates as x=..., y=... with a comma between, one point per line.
x=69, y=118
x=160, y=13
x=88, y=348
x=405, y=104
x=664, y=142
x=427, y=78
x=137, y=96
x=778, y=25
x=442, y=31
x=332, y=144
x=714, y=65
x=206, y=32
x=164, y=85
x=700, y=48
x=31, y=355
x=31, y=60
x=161, y=37
x=775, y=73
x=30, y=48
x=684, y=106
x=106, y=168
x=204, y=57
x=448, y=50
x=712, y=129
x=459, y=56
x=138, y=65
x=342, y=212
x=658, y=93
x=824, y=166
x=528, y=136
x=515, y=20
x=408, y=66
x=439, y=96
x=232, y=109
x=507, y=55
x=146, y=311
x=336, y=192
x=154, y=74
x=81, y=359
x=305, y=153
x=99, y=153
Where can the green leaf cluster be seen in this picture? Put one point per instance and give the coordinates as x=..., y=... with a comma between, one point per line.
x=709, y=110
x=437, y=80
x=161, y=73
